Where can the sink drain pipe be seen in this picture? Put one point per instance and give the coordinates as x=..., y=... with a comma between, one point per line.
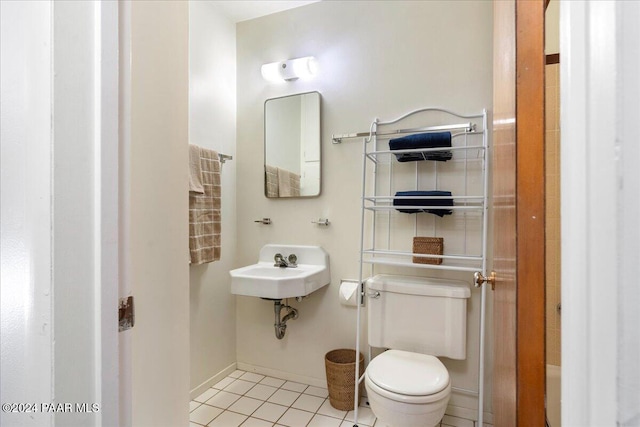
x=280, y=324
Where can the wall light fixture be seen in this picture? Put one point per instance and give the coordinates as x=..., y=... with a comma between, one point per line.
x=289, y=70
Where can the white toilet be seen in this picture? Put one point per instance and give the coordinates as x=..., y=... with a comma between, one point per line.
x=417, y=318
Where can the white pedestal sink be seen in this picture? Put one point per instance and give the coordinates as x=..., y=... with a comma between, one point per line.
x=264, y=280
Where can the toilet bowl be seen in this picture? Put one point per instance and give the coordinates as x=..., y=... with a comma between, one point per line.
x=407, y=389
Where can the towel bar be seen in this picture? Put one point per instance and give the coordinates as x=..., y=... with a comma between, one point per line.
x=465, y=127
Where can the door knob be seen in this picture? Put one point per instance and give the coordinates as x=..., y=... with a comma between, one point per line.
x=479, y=279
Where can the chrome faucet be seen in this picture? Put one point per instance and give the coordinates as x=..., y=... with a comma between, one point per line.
x=290, y=261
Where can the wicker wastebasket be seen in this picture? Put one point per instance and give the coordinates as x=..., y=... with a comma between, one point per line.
x=341, y=373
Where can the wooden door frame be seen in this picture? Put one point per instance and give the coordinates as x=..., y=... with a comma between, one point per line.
x=519, y=190
x=530, y=213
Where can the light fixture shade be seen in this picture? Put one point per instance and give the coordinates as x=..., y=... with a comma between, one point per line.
x=289, y=70
x=271, y=72
x=304, y=68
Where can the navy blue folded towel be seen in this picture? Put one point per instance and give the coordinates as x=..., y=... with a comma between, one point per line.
x=424, y=202
x=423, y=140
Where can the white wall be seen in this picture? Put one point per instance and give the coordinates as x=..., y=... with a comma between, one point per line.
x=26, y=293
x=552, y=28
x=600, y=250
x=628, y=370
x=212, y=124
x=376, y=59
x=157, y=212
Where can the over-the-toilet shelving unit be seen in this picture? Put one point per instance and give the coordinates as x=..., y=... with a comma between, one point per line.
x=389, y=239
x=387, y=234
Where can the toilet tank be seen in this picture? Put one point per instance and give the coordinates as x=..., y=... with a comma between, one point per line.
x=419, y=314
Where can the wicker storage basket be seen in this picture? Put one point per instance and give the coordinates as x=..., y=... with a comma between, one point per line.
x=427, y=245
x=341, y=373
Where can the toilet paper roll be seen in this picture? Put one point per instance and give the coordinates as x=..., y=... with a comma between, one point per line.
x=349, y=293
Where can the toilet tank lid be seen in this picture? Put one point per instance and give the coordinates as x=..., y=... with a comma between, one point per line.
x=414, y=285
x=407, y=373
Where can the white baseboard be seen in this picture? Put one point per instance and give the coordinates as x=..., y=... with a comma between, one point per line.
x=316, y=382
x=211, y=381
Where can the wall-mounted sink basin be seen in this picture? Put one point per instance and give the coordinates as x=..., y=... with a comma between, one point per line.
x=266, y=281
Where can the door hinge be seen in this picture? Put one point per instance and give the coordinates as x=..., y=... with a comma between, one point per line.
x=126, y=314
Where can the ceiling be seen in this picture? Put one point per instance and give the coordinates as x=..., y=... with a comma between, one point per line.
x=248, y=9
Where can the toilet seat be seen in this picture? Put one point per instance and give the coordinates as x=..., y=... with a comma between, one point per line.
x=408, y=377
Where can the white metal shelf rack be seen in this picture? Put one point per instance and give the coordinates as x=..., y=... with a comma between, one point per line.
x=387, y=234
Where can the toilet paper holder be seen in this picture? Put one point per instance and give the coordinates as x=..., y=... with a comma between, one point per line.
x=361, y=291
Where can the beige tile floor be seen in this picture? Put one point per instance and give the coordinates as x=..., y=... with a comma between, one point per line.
x=251, y=400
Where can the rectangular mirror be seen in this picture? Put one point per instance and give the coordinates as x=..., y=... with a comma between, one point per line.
x=292, y=146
